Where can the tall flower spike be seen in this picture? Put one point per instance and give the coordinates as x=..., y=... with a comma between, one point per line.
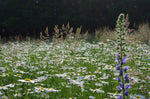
x=126, y=68
x=119, y=88
x=120, y=72
x=121, y=57
x=116, y=60
x=124, y=60
x=117, y=67
x=127, y=93
x=128, y=86
x=127, y=79
x=119, y=97
x=121, y=85
x=126, y=76
x=118, y=78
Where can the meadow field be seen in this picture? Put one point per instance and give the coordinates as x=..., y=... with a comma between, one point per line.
x=70, y=70
x=73, y=68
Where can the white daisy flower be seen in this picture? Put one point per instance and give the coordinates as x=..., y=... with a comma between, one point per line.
x=2, y=69
x=51, y=90
x=3, y=74
x=91, y=97
x=97, y=72
x=44, y=95
x=72, y=98
x=104, y=82
x=98, y=84
x=43, y=78
x=90, y=77
x=27, y=80
x=4, y=97
x=18, y=75
x=108, y=67
x=97, y=90
x=62, y=75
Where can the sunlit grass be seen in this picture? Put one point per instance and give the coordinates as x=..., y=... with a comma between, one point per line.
x=70, y=70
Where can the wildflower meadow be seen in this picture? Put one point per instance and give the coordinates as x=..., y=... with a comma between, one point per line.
x=76, y=69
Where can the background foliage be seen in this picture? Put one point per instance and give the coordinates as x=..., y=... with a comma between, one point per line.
x=28, y=17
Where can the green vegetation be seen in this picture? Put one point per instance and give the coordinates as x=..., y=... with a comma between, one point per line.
x=29, y=18
x=72, y=68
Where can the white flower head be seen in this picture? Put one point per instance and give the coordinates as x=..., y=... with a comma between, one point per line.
x=108, y=67
x=41, y=79
x=91, y=97
x=51, y=90
x=4, y=97
x=2, y=69
x=27, y=80
x=97, y=90
x=98, y=72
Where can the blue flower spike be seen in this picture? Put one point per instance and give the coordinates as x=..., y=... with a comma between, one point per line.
x=117, y=67
x=124, y=60
x=126, y=68
x=119, y=97
x=127, y=93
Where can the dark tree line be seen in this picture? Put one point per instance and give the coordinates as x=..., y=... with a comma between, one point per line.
x=28, y=17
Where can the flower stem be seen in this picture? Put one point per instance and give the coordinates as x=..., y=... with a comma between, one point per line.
x=123, y=94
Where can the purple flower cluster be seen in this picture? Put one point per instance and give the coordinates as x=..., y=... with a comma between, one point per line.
x=121, y=58
x=122, y=78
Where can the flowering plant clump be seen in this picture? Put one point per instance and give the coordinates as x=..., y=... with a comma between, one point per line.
x=121, y=59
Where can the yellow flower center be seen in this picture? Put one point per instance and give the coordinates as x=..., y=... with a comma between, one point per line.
x=18, y=75
x=39, y=89
x=44, y=95
x=138, y=97
x=42, y=87
x=27, y=79
x=1, y=69
x=108, y=66
x=79, y=87
x=52, y=89
x=92, y=74
x=4, y=98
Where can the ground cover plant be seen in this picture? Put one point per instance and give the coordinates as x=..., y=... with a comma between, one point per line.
x=72, y=69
